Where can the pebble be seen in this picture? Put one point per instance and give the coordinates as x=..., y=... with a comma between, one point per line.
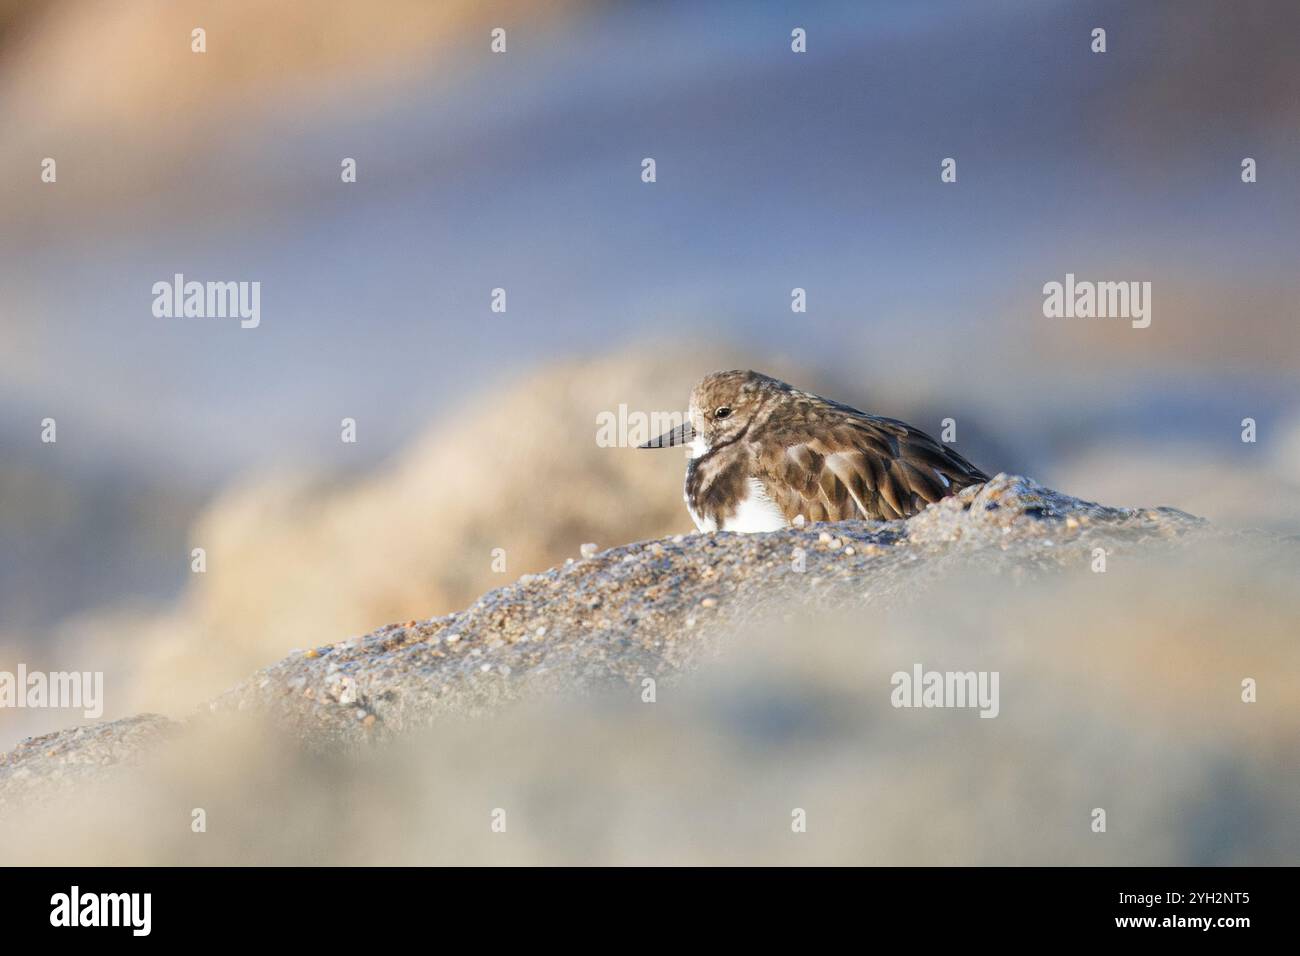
x=709, y=602
x=824, y=537
x=850, y=552
x=799, y=521
x=453, y=638
x=587, y=550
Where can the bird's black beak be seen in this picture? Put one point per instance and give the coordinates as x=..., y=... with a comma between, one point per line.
x=681, y=435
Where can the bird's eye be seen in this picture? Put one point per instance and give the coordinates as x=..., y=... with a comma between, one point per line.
x=722, y=412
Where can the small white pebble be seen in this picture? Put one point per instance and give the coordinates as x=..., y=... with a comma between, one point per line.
x=678, y=539
x=709, y=602
x=799, y=521
x=541, y=631
x=824, y=537
x=485, y=668
x=690, y=622
x=850, y=551
x=587, y=550
x=453, y=638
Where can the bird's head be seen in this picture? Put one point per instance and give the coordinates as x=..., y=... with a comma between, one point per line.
x=722, y=406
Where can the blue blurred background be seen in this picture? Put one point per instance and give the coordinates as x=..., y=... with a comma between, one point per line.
x=775, y=170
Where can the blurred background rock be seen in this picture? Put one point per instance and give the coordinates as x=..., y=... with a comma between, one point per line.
x=476, y=430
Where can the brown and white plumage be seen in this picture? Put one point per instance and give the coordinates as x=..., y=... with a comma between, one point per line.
x=766, y=452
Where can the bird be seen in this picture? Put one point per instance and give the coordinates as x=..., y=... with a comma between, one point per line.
x=766, y=455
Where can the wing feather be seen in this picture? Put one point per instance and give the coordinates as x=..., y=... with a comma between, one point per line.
x=846, y=464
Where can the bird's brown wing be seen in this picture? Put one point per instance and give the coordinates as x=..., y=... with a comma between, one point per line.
x=861, y=466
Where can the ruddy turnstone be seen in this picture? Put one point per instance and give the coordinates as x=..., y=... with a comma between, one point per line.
x=764, y=453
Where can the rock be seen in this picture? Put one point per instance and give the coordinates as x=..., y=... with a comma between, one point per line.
x=68, y=758
x=630, y=612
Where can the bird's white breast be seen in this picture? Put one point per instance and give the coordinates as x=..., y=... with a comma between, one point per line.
x=758, y=512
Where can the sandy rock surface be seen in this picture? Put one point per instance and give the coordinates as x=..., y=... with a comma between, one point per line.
x=647, y=609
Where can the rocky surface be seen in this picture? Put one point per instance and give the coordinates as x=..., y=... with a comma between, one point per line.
x=70, y=757
x=647, y=609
